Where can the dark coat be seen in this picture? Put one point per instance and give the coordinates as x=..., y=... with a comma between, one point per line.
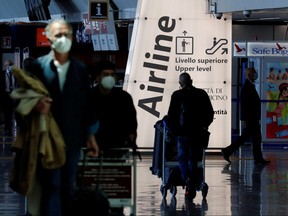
x=3, y=81
x=117, y=117
x=69, y=107
x=250, y=102
x=190, y=111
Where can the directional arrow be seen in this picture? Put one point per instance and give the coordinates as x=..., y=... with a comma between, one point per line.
x=225, y=51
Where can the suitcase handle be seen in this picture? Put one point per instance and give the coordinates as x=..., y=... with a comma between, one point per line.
x=85, y=151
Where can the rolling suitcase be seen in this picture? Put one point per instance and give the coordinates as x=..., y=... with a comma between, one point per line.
x=162, y=138
x=165, y=162
x=156, y=167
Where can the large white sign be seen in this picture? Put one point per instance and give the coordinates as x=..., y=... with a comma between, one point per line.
x=171, y=37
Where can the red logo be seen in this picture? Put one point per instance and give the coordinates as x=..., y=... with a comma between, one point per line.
x=239, y=49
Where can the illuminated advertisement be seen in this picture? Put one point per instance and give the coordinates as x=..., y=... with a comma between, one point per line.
x=171, y=37
x=273, y=69
x=276, y=89
x=41, y=39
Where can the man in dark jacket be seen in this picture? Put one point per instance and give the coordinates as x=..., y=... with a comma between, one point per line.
x=67, y=81
x=250, y=117
x=190, y=114
x=115, y=110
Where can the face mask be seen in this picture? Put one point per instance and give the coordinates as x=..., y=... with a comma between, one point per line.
x=62, y=45
x=255, y=76
x=10, y=67
x=108, y=82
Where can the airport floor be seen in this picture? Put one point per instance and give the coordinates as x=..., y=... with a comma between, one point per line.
x=241, y=188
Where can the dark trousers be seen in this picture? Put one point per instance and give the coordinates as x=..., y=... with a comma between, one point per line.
x=253, y=131
x=57, y=186
x=190, y=161
x=7, y=106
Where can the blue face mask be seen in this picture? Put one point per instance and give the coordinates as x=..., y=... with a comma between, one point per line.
x=108, y=82
x=10, y=67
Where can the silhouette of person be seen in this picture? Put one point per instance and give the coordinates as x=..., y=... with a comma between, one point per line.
x=67, y=82
x=250, y=116
x=7, y=85
x=187, y=121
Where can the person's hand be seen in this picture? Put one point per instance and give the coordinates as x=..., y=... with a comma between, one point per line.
x=93, y=149
x=131, y=138
x=43, y=105
x=130, y=141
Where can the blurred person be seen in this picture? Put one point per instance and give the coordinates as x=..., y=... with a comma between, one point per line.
x=272, y=75
x=27, y=63
x=190, y=113
x=250, y=116
x=7, y=85
x=116, y=114
x=285, y=75
x=67, y=82
x=115, y=110
x=279, y=75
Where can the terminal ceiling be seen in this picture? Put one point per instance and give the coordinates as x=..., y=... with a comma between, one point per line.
x=273, y=11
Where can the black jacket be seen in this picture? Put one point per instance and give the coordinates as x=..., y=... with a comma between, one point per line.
x=250, y=102
x=69, y=107
x=190, y=111
x=117, y=117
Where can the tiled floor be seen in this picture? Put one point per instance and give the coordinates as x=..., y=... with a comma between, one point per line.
x=10, y=202
x=241, y=188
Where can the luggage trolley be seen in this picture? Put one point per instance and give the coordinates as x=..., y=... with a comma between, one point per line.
x=117, y=179
x=165, y=162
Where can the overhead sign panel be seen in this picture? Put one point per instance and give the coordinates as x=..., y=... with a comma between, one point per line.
x=169, y=38
x=275, y=49
x=98, y=10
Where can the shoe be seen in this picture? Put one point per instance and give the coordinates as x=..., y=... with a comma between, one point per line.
x=226, y=155
x=204, y=206
x=190, y=193
x=262, y=162
x=204, y=189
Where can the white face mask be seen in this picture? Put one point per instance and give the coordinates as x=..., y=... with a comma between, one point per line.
x=108, y=82
x=62, y=45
